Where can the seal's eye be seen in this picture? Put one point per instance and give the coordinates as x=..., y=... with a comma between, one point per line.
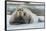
x=24, y=14
x=19, y=10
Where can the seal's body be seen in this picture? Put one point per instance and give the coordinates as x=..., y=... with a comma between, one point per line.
x=22, y=16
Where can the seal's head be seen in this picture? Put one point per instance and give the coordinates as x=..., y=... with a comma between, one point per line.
x=20, y=12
